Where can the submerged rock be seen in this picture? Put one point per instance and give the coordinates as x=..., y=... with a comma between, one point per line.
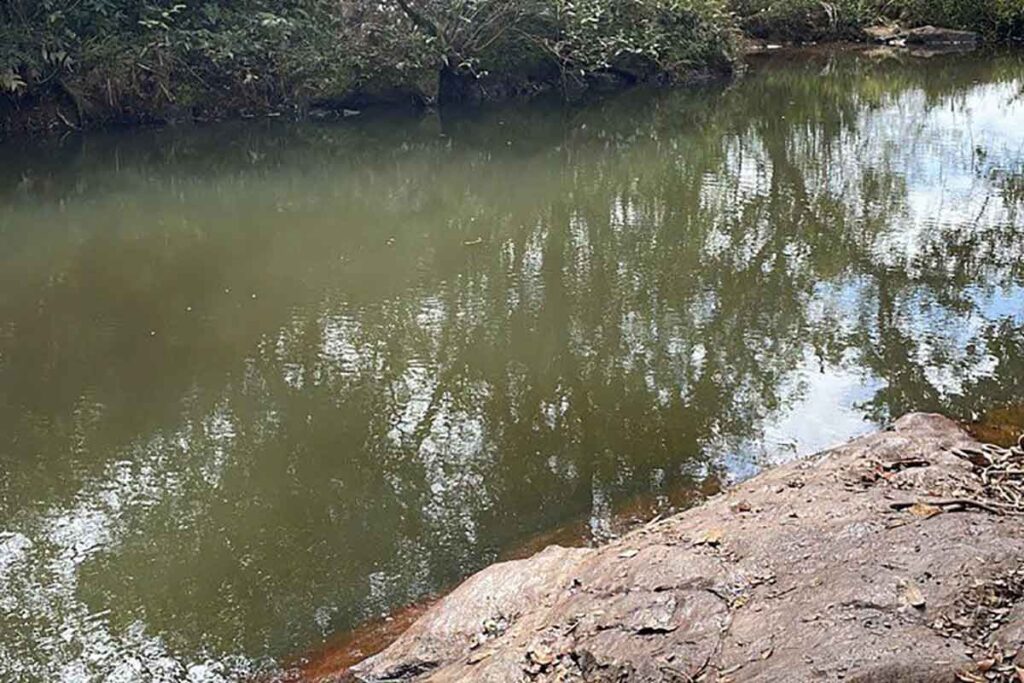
x=864, y=563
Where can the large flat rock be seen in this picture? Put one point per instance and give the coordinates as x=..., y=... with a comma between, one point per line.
x=803, y=573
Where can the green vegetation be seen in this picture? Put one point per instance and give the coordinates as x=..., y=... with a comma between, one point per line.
x=844, y=19
x=87, y=62
x=997, y=19
x=805, y=19
x=80, y=61
x=119, y=58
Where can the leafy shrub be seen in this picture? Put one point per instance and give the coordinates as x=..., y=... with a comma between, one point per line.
x=577, y=37
x=673, y=36
x=998, y=19
x=138, y=59
x=829, y=19
x=804, y=20
x=121, y=53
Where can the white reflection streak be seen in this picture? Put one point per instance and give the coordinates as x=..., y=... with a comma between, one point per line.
x=40, y=564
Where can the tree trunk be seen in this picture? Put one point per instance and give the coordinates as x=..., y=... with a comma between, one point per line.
x=457, y=88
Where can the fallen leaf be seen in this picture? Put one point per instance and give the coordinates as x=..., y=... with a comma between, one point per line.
x=767, y=653
x=913, y=595
x=924, y=510
x=712, y=536
x=626, y=554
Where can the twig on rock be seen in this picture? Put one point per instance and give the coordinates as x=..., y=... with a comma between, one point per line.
x=994, y=508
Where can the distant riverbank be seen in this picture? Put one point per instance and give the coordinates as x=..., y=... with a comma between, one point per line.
x=71, y=66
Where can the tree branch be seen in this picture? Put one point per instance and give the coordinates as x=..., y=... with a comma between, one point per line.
x=419, y=19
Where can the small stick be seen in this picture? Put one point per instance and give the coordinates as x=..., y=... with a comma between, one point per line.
x=994, y=508
x=897, y=465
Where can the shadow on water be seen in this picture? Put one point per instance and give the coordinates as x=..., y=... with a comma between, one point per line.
x=262, y=383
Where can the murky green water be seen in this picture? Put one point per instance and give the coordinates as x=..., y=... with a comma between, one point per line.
x=260, y=382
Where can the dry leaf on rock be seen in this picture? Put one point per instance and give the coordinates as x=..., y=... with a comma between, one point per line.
x=924, y=510
x=912, y=595
x=712, y=536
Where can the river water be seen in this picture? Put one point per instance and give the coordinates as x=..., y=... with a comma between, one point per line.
x=261, y=382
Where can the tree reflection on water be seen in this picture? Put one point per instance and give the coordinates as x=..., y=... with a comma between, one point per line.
x=260, y=383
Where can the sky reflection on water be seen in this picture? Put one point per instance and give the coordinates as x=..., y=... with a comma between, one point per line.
x=259, y=383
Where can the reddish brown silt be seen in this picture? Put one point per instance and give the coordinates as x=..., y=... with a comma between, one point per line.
x=1001, y=426
x=330, y=663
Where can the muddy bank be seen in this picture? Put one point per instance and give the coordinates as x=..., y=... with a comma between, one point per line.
x=896, y=557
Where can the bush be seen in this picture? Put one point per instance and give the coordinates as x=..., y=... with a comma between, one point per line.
x=137, y=60
x=808, y=20
x=805, y=20
x=996, y=19
x=101, y=60
x=671, y=36
x=124, y=56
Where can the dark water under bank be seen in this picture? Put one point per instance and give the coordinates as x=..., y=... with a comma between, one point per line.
x=261, y=383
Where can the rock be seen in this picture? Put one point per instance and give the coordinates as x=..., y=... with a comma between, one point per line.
x=1010, y=636
x=500, y=593
x=883, y=34
x=848, y=588
x=925, y=41
x=931, y=35
x=358, y=101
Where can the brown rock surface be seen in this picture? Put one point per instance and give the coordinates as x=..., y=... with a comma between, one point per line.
x=803, y=573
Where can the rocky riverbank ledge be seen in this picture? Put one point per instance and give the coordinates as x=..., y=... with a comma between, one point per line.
x=896, y=557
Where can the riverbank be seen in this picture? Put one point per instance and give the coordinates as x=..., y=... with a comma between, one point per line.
x=70, y=66
x=894, y=557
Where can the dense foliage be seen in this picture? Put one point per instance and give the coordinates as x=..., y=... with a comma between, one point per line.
x=127, y=58
x=674, y=35
x=805, y=19
x=995, y=18
x=830, y=19
x=122, y=54
x=76, y=61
